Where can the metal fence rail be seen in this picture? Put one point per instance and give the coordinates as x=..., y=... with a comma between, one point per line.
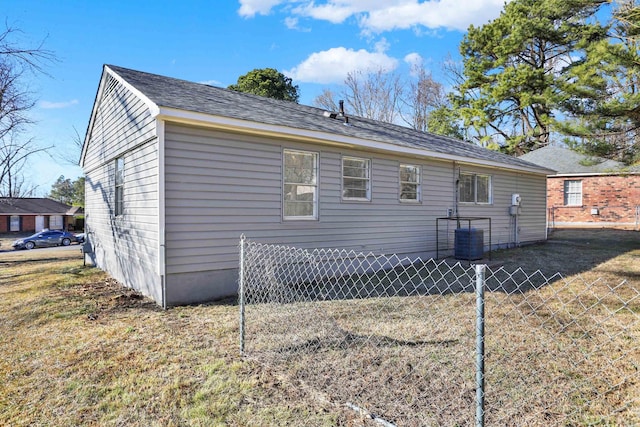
x=435, y=343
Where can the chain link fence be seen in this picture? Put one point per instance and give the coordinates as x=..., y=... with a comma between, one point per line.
x=414, y=343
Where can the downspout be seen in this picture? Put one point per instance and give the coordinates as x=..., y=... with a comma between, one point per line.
x=162, y=249
x=456, y=193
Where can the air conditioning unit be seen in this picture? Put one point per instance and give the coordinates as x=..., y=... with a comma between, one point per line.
x=515, y=200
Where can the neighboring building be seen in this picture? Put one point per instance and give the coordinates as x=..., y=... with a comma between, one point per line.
x=176, y=171
x=588, y=191
x=29, y=215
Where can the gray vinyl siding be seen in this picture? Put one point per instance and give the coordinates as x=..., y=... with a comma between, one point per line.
x=126, y=246
x=221, y=185
x=531, y=221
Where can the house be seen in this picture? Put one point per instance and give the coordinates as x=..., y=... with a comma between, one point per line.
x=176, y=171
x=588, y=191
x=34, y=214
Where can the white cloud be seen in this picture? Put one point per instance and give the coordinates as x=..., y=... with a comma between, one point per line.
x=332, y=12
x=249, y=8
x=413, y=59
x=449, y=14
x=333, y=65
x=377, y=16
x=292, y=23
x=48, y=105
x=211, y=83
x=382, y=45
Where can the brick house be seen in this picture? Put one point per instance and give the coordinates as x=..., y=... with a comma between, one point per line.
x=589, y=191
x=28, y=215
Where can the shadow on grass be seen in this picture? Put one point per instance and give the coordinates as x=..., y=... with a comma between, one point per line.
x=570, y=251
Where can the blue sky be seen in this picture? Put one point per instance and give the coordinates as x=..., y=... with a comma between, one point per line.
x=316, y=43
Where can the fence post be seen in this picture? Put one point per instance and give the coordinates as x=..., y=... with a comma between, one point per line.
x=241, y=293
x=480, y=282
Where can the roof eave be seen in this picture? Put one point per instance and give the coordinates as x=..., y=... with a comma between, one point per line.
x=278, y=131
x=153, y=108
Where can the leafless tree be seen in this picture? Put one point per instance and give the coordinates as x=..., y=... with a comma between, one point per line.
x=374, y=95
x=15, y=102
x=326, y=100
x=424, y=95
x=13, y=160
x=72, y=156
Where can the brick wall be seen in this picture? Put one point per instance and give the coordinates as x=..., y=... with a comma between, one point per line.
x=607, y=201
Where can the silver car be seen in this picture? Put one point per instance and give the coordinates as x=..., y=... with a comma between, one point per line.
x=45, y=238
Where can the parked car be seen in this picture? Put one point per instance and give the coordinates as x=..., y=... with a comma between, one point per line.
x=80, y=237
x=45, y=238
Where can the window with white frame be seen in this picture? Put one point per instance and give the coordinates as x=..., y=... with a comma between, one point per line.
x=573, y=193
x=474, y=188
x=409, y=183
x=300, y=184
x=14, y=223
x=119, y=187
x=356, y=179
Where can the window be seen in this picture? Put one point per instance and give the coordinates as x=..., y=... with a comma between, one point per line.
x=300, y=181
x=409, y=183
x=572, y=193
x=119, y=184
x=14, y=223
x=356, y=178
x=475, y=188
x=56, y=222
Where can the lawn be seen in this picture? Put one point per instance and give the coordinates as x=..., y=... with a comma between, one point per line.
x=78, y=349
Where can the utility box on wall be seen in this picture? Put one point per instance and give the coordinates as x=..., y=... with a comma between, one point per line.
x=469, y=243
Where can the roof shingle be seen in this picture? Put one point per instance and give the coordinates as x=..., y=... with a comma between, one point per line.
x=33, y=206
x=195, y=97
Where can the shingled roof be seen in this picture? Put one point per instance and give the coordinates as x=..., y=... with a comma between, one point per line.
x=34, y=206
x=167, y=92
x=566, y=161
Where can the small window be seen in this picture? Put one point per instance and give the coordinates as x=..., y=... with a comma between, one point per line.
x=573, y=193
x=14, y=224
x=409, y=183
x=475, y=188
x=119, y=187
x=300, y=182
x=356, y=179
x=56, y=222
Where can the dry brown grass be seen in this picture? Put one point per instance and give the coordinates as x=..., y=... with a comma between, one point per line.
x=565, y=353
x=78, y=349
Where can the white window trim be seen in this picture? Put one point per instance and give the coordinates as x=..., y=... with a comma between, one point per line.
x=566, y=193
x=418, y=184
x=314, y=217
x=368, y=179
x=475, y=189
x=14, y=223
x=118, y=205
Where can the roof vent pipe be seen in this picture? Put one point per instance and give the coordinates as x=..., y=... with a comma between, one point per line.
x=341, y=112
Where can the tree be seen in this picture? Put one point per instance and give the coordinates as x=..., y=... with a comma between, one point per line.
x=514, y=67
x=445, y=121
x=13, y=160
x=78, y=192
x=267, y=82
x=15, y=102
x=69, y=192
x=374, y=95
x=605, y=91
x=424, y=95
x=421, y=103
